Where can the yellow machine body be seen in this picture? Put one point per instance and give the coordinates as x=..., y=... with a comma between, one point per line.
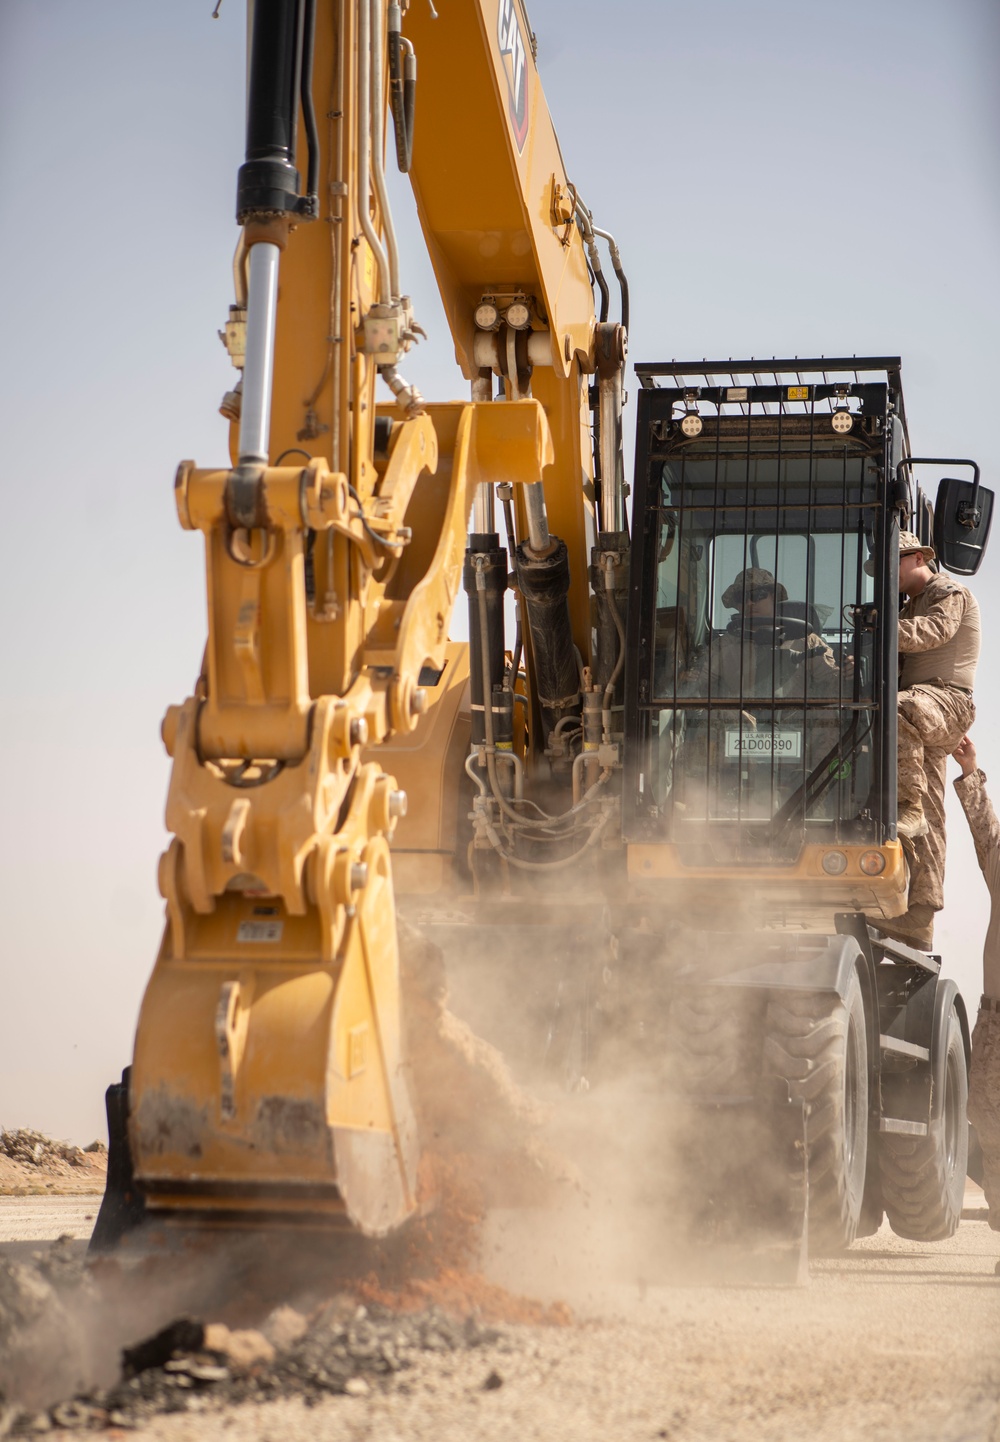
x=800, y=894
x=268, y=1074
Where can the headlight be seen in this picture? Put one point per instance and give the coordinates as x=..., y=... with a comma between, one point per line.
x=842, y=421
x=692, y=424
x=518, y=315
x=872, y=863
x=834, y=863
x=486, y=315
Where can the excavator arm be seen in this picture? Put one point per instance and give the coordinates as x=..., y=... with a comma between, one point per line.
x=268, y=1073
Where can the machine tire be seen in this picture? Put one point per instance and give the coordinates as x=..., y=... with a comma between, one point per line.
x=923, y=1178
x=817, y=1045
x=715, y=1041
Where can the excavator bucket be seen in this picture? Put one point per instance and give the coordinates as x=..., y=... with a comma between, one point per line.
x=748, y=1157
x=267, y=1078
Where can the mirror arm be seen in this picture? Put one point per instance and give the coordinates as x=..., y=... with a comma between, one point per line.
x=971, y=517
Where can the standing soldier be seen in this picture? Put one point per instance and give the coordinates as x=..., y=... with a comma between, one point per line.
x=939, y=634
x=984, y=1078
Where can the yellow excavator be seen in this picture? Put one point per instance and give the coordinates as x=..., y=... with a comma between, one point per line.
x=267, y=1074
x=657, y=860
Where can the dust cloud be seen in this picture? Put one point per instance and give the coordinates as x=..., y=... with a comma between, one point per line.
x=555, y=1166
x=601, y=1176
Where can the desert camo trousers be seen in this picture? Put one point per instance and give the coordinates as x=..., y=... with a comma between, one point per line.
x=984, y=1104
x=932, y=721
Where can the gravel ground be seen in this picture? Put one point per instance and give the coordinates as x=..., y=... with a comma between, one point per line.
x=42, y=1219
x=892, y=1341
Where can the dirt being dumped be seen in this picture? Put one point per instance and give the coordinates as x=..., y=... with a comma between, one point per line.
x=32, y=1163
x=435, y=1263
x=341, y=1347
x=360, y=1311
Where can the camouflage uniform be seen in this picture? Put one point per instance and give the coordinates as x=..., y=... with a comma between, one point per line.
x=934, y=715
x=758, y=657
x=759, y=661
x=753, y=660
x=984, y=1078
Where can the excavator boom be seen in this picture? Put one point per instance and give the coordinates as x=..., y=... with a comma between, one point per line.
x=269, y=1074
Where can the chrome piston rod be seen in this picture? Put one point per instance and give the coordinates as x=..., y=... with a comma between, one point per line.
x=258, y=370
x=612, y=475
x=539, y=539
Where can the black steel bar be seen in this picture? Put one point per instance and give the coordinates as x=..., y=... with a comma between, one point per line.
x=797, y=365
x=840, y=628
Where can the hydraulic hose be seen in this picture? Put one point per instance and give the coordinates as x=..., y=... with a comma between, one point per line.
x=526, y=823
x=308, y=108
x=587, y=227
x=364, y=153
x=402, y=87
x=609, y=690
x=378, y=171
x=616, y=261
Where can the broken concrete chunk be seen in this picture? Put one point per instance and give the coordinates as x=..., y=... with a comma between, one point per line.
x=243, y=1350
x=284, y=1327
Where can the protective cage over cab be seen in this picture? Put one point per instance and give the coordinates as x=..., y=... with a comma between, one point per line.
x=761, y=703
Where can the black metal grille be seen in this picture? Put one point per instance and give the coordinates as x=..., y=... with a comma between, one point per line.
x=759, y=718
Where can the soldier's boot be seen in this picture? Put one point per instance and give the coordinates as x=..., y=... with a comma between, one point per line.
x=915, y=927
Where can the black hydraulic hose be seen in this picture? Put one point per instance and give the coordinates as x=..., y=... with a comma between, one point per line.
x=525, y=823
x=402, y=91
x=515, y=659
x=623, y=286
x=308, y=108
x=609, y=690
x=616, y=261
x=396, y=105
x=409, y=100
x=602, y=286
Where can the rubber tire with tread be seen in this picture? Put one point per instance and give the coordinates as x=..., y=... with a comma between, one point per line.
x=715, y=1041
x=817, y=1044
x=923, y=1178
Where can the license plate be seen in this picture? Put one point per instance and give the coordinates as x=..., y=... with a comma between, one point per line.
x=764, y=745
x=258, y=931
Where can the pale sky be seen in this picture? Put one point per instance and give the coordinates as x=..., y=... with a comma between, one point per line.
x=783, y=179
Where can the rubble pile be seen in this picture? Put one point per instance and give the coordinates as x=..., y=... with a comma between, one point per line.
x=341, y=1348
x=33, y=1149
x=31, y=1162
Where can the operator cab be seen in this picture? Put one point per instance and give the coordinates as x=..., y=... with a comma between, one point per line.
x=761, y=696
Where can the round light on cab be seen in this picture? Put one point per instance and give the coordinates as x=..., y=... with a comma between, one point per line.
x=834, y=863
x=692, y=424
x=872, y=863
x=842, y=421
x=518, y=315
x=486, y=315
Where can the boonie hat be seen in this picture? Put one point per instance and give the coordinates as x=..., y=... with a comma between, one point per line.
x=753, y=584
x=908, y=544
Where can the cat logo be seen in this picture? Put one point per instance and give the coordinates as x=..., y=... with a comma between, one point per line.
x=514, y=56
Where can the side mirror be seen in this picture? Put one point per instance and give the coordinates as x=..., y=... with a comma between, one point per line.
x=963, y=512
